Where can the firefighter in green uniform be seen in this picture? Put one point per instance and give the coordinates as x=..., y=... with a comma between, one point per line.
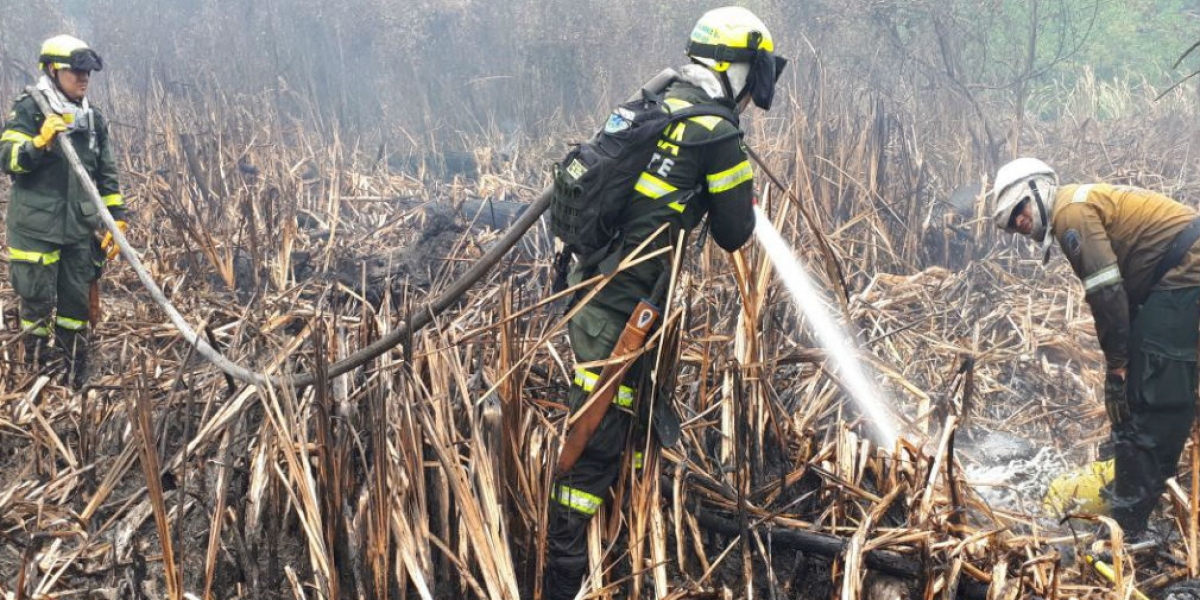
x=733, y=64
x=53, y=251
x=1135, y=252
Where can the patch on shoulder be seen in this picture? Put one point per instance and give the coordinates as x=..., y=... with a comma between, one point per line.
x=619, y=120
x=1072, y=243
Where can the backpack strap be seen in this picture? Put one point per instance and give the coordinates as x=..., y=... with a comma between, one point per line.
x=1176, y=250
x=706, y=110
x=703, y=110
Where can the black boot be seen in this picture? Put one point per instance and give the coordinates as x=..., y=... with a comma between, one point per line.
x=75, y=346
x=566, y=552
x=564, y=576
x=38, y=352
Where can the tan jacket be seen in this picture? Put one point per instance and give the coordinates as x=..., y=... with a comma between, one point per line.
x=1114, y=237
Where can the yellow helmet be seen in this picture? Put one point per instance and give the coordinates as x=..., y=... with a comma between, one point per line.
x=733, y=37
x=727, y=30
x=68, y=52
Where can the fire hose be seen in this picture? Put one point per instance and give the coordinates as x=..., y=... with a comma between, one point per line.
x=393, y=338
x=421, y=318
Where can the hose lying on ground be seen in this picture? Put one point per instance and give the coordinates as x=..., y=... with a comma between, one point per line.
x=427, y=313
x=420, y=319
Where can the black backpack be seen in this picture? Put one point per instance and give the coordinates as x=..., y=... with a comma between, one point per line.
x=596, y=178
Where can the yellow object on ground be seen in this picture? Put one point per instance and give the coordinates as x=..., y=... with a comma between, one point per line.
x=1078, y=491
x=1106, y=571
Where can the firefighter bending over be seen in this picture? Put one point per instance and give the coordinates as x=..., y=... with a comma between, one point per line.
x=1134, y=250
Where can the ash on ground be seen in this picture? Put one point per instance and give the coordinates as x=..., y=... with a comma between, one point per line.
x=1012, y=473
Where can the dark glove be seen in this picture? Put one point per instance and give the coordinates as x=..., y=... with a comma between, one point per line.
x=1116, y=402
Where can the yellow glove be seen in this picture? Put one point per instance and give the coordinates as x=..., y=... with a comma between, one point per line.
x=107, y=244
x=50, y=128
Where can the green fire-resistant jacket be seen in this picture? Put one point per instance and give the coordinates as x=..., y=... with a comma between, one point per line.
x=700, y=168
x=48, y=202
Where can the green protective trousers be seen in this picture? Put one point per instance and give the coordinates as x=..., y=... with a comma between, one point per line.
x=578, y=494
x=52, y=281
x=1161, y=388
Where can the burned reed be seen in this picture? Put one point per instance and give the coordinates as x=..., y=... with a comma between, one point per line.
x=425, y=473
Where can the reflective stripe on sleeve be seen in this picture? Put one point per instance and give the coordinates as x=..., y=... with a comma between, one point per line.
x=1106, y=276
x=70, y=324
x=43, y=258
x=17, y=139
x=113, y=200
x=730, y=178
x=653, y=187
x=12, y=135
x=1081, y=193
x=587, y=381
x=577, y=500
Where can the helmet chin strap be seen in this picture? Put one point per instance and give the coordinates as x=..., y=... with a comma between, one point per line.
x=1037, y=197
x=724, y=77
x=1045, y=241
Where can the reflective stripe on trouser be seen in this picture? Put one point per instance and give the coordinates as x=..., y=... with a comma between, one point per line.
x=587, y=380
x=583, y=502
x=37, y=328
x=576, y=500
x=70, y=324
x=52, y=280
x=578, y=493
x=1161, y=384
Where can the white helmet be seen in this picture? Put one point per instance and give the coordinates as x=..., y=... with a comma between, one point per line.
x=1024, y=180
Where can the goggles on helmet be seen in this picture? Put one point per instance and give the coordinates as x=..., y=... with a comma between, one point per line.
x=83, y=59
x=765, y=66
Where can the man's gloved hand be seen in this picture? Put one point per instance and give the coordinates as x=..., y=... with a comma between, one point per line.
x=50, y=128
x=1116, y=402
x=109, y=245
